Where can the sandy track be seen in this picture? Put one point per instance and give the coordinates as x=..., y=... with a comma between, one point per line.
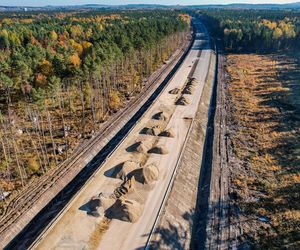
x=73, y=228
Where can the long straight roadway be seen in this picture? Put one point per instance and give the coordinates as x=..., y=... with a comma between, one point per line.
x=74, y=229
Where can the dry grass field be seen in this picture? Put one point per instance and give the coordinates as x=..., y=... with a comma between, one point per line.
x=264, y=128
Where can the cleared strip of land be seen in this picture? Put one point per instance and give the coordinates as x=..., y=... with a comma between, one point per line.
x=74, y=228
x=180, y=215
x=254, y=192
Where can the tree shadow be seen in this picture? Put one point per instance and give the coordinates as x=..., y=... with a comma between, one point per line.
x=173, y=235
x=280, y=96
x=285, y=99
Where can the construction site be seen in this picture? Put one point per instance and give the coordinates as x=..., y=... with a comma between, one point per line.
x=125, y=185
x=125, y=197
x=150, y=127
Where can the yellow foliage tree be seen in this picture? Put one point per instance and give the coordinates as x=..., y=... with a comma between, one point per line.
x=86, y=44
x=4, y=33
x=185, y=17
x=136, y=79
x=269, y=24
x=14, y=38
x=100, y=27
x=288, y=29
x=53, y=35
x=33, y=164
x=26, y=20
x=88, y=33
x=46, y=67
x=77, y=46
x=7, y=21
x=277, y=33
x=114, y=100
x=75, y=60
x=76, y=31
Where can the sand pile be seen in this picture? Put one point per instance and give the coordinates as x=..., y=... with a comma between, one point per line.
x=147, y=174
x=140, y=147
x=127, y=187
x=97, y=205
x=160, y=116
x=127, y=168
x=183, y=101
x=192, y=81
x=94, y=204
x=162, y=150
x=189, y=90
x=143, y=147
x=150, y=173
x=155, y=130
x=168, y=133
x=174, y=91
x=127, y=210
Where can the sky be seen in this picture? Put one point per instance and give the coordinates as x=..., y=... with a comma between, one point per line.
x=118, y=2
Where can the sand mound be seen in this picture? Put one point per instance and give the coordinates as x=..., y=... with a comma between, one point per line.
x=192, y=81
x=140, y=147
x=147, y=174
x=94, y=204
x=183, y=101
x=168, y=133
x=174, y=91
x=129, y=185
x=155, y=130
x=188, y=90
x=98, y=204
x=127, y=168
x=150, y=173
x=127, y=210
x=160, y=116
x=162, y=150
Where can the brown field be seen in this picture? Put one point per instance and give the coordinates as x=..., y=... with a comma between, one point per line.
x=264, y=125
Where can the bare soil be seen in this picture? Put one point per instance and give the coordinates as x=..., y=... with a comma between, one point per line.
x=263, y=146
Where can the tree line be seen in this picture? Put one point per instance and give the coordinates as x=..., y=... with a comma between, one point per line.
x=255, y=30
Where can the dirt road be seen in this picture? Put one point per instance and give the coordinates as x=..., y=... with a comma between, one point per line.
x=73, y=229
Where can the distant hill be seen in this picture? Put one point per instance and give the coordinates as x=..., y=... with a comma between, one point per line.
x=251, y=6
x=295, y=5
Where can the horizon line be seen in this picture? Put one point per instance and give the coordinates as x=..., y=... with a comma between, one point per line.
x=115, y=5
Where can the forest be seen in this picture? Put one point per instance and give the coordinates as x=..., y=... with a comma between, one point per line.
x=62, y=74
x=255, y=30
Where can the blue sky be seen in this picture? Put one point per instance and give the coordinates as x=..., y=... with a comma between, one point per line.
x=183, y=2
